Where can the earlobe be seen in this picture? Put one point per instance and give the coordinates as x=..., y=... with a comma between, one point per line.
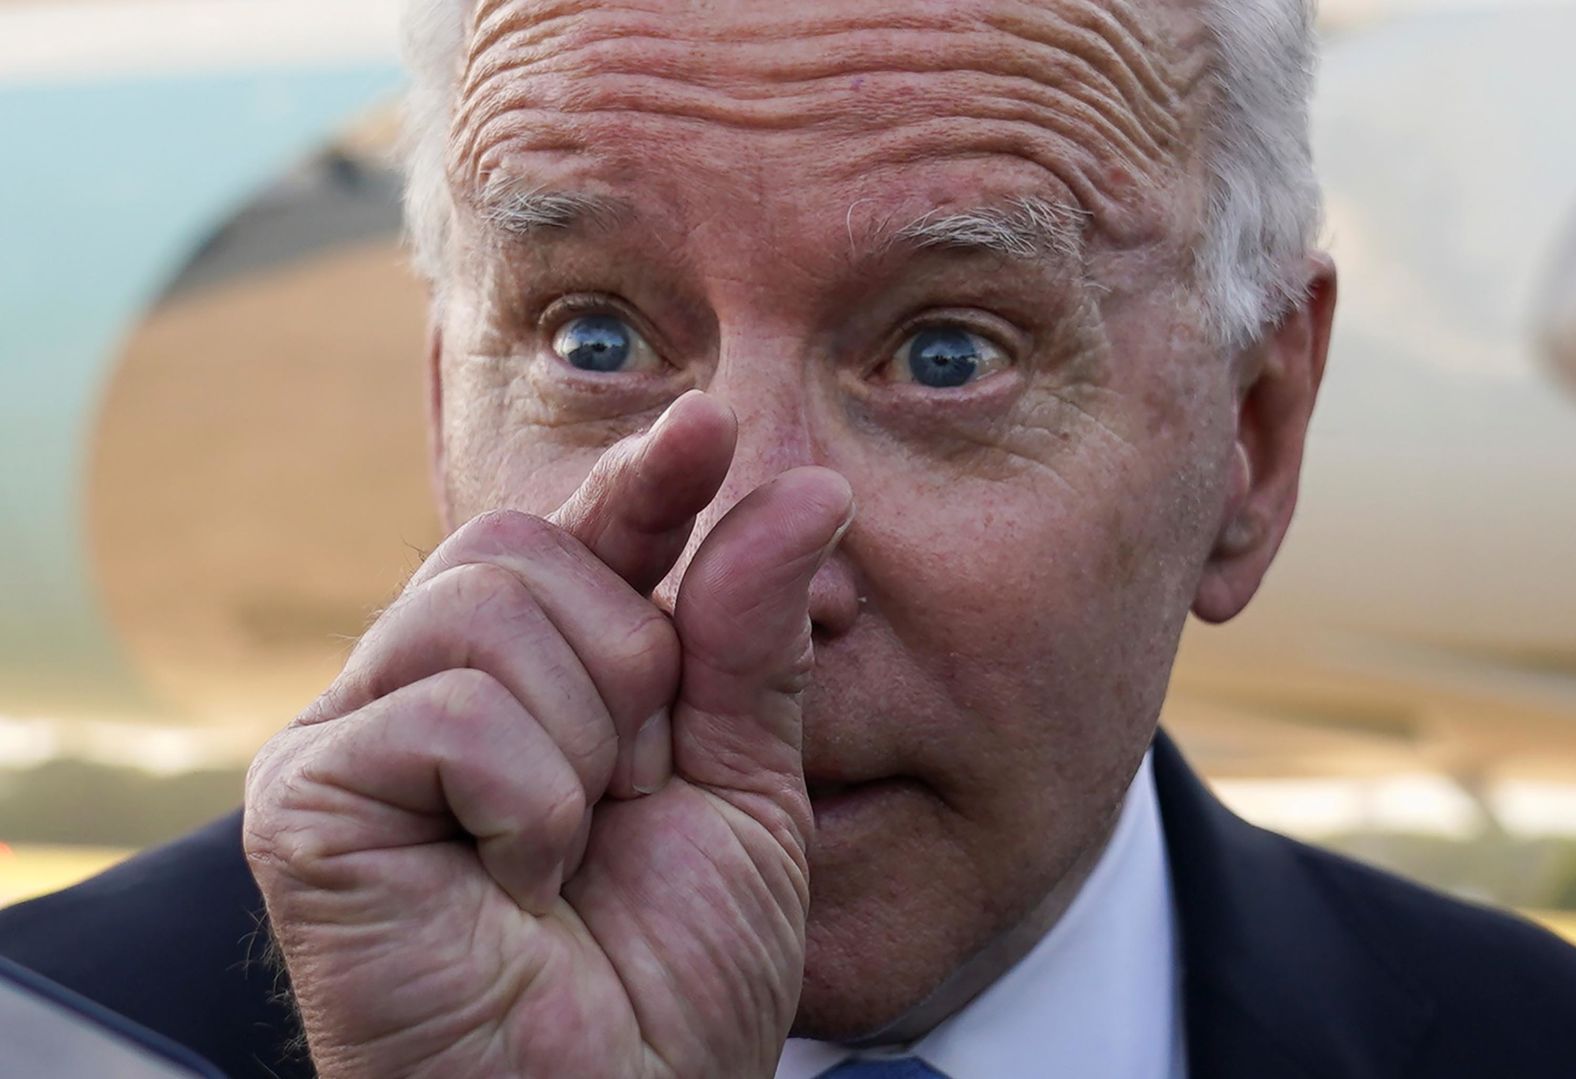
x=1220, y=595
x=1274, y=408
x=1240, y=528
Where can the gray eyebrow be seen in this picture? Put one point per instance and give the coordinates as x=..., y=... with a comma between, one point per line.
x=1024, y=227
x=527, y=212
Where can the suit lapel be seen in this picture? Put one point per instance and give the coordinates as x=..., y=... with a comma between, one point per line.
x=1279, y=978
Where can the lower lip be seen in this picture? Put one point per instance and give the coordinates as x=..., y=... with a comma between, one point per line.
x=855, y=800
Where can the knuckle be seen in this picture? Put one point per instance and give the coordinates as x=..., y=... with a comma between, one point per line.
x=794, y=677
x=562, y=813
x=359, y=680
x=482, y=587
x=482, y=604
x=499, y=531
x=640, y=665
x=463, y=697
x=271, y=773
x=647, y=649
x=261, y=772
x=592, y=746
x=278, y=834
x=591, y=756
x=276, y=843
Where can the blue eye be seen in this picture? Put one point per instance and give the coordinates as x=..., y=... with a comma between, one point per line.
x=944, y=357
x=598, y=343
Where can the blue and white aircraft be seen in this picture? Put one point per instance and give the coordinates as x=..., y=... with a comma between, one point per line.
x=166, y=260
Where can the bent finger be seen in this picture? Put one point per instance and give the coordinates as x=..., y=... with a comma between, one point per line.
x=636, y=509
x=451, y=756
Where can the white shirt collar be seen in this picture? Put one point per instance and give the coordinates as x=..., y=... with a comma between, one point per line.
x=1098, y=995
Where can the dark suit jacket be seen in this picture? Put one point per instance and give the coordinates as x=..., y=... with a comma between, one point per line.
x=1297, y=963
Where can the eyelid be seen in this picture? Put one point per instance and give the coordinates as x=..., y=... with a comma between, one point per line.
x=564, y=308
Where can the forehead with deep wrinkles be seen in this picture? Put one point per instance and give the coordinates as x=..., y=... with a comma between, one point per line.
x=1095, y=102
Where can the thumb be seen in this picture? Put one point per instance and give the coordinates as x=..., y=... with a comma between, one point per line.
x=742, y=616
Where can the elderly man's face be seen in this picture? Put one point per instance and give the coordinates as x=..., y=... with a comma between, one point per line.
x=942, y=249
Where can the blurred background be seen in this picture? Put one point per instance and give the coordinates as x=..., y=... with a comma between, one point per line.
x=212, y=449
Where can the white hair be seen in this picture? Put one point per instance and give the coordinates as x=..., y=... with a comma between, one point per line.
x=1026, y=227
x=1263, y=210
x=432, y=41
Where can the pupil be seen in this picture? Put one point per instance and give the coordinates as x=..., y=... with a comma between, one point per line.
x=943, y=358
x=596, y=343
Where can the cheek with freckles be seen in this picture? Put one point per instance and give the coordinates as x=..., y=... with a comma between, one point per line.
x=1038, y=584
x=1028, y=615
x=506, y=444
x=1040, y=581
x=1049, y=604
x=492, y=465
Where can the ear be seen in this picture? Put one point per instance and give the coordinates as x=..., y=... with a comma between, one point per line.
x=437, y=452
x=1278, y=379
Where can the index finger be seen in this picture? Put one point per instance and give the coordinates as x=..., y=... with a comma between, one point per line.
x=637, y=507
x=635, y=510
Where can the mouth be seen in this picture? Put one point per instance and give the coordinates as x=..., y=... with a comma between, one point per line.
x=834, y=802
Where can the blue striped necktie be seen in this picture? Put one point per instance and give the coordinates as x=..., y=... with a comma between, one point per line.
x=901, y=1068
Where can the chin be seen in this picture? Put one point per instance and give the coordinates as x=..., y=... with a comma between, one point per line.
x=903, y=894
x=850, y=997
x=881, y=938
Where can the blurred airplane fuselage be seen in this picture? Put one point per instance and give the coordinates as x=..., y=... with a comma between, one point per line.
x=211, y=375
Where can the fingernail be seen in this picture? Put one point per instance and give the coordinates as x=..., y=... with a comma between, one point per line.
x=848, y=522
x=653, y=755
x=837, y=537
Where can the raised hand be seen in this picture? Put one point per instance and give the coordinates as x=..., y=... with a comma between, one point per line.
x=537, y=827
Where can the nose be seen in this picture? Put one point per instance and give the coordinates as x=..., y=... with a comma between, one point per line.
x=775, y=434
